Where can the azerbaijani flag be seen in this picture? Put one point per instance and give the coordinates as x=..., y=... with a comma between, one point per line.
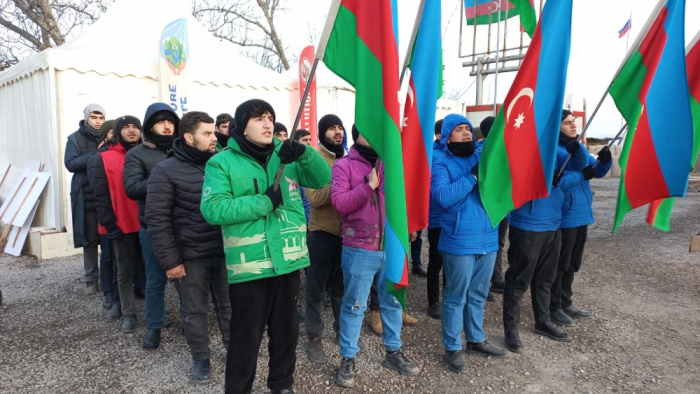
x=417, y=134
x=650, y=89
x=528, y=18
x=359, y=44
x=660, y=210
x=517, y=163
x=483, y=12
x=625, y=28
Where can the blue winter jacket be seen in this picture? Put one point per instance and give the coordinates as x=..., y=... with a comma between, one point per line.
x=545, y=214
x=435, y=210
x=578, y=202
x=466, y=229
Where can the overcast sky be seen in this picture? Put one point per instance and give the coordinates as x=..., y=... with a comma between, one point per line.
x=596, y=51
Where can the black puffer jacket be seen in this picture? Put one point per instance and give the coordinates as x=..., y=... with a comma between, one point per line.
x=176, y=226
x=140, y=161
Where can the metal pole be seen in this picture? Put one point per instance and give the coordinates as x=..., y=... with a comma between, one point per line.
x=461, y=23
x=412, y=41
x=612, y=141
x=505, y=35
x=498, y=38
x=479, y=82
x=474, y=43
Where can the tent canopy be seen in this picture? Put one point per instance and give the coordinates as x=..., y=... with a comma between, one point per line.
x=124, y=42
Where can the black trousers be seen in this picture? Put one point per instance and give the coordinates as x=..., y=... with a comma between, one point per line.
x=254, y=304
x=416, y=248
x=573, y=241
x=532, y=259
x=498, y=267
x=434, y=266
x=325, y=251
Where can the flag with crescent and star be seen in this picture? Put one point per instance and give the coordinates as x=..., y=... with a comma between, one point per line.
x=417, y=133
x=651, y=89
x=517, y=163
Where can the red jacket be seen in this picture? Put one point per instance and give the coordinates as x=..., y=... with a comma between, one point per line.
x=112, y=203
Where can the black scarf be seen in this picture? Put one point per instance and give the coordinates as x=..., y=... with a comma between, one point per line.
x=123, y=143
x=462, y=149
x=339, y=150
x=197, y=156
x=222, y=139
x=260, y=154
x=368, y=153
x=565, y=139
x=163, y=142
x=89, y=131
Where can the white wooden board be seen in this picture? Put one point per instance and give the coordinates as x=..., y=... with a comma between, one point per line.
x=20, y=207
x=18, y=235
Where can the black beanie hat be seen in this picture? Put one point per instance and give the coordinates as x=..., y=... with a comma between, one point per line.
x=105, y=128
x=299, y=134
x=326, y=122
x=438, y=126
x=242, y=115
x=122, y=121
x=565, y=113
x=163, y=115
x=279, y=127
x=355, y=133
x=485, y=125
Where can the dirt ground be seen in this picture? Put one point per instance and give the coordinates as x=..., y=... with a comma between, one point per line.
x=642, y=285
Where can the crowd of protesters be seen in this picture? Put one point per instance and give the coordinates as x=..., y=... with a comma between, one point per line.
x=193, y=201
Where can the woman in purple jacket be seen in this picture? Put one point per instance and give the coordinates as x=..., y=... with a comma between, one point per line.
x=357, y=195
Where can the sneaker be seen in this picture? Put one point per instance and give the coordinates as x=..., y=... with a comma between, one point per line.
x=396, y=361
x=346, y=373
x=327, y=298
x=90, y=288
x=376, y=323
x=301, y=314
x=115, y=312
x=201, y=371
x=315, y=351
x=409, y=320
x=490, y=297
x=550, y=330
x=498, y=287
x=455, y=361
x=418, y=270
x=128, y=324
x=151, y=340
x=360, y=344
x=559, y=317
x=107, y=301
x=435, y=311
x=485, y=349
x=572, y=311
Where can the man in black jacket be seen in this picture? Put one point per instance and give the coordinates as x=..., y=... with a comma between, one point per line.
x=188, y=248
x=80, y=150
x=160, y=128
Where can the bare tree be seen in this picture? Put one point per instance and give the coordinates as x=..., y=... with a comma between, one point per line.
x=34, y=25
x=248, y=23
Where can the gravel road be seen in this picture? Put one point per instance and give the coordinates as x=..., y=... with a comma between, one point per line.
x=641, y=284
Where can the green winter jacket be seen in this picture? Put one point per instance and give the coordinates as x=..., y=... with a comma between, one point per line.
x=258, y=244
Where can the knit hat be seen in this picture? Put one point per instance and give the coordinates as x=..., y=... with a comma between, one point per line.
x=450, y=122
x=243, y=111
x=326, y=122
x=438, y=126
x=355, y=133
x=279, y=127
x=105, y=128
x=120, y=122
x=485, y=125
x=565, y=113
x=162, y=115
x=93, y=108
x=299, y=134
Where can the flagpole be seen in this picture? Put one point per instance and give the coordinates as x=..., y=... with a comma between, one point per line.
x=498, y=38
x=627, y=49
x=320, y=52
x=412, y=41
x=612, y=141
x=635, y=45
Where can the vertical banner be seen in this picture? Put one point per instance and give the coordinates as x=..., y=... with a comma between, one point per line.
x=174, y=55
x=308, y=116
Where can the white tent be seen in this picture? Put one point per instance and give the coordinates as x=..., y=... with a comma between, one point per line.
x=115, y=63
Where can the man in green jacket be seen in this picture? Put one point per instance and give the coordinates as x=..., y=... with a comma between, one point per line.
x=264, y=235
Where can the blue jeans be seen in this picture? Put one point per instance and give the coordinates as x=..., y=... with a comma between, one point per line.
x=466, y=287
x=155, y=284
x=360, y=268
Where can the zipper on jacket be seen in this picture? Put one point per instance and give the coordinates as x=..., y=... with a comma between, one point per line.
x=255, y=183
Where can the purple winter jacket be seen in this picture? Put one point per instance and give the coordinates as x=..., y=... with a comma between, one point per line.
x=352, y=199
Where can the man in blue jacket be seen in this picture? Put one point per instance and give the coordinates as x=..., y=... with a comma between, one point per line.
x=577, y=214
x=80, y=149
x=535, y=241
x=434, y=257
x=468, y=243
